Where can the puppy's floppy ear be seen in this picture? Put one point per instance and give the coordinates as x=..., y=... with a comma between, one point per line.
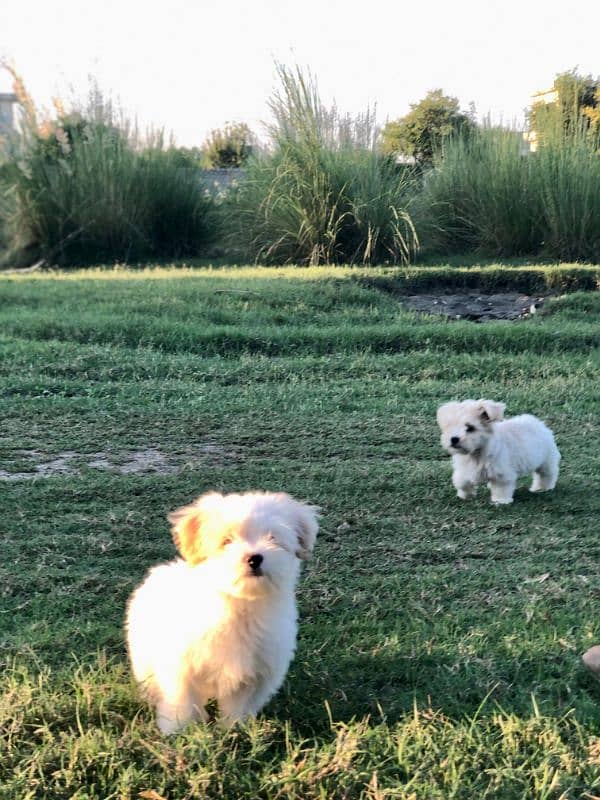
x=186, y=527
x=491, y=411
x=445, y=413
x=305, y=522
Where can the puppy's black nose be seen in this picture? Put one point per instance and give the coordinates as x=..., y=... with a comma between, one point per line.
x=254, y=561
x=454, y=440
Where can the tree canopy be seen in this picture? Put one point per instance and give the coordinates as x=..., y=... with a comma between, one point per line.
x=574, y=103
x=230, y=146
x=421, y=132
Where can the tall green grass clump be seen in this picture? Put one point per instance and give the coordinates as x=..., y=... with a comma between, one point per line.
x=568, y=179
x=487, y=194
x=5, y=203
x=87, y=187
x=480, y=195
x=323, y=194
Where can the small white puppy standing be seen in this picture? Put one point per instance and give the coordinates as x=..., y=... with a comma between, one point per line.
x=221, y=623
x=486, y=448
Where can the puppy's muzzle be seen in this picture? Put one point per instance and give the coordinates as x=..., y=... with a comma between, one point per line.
x=254, y=561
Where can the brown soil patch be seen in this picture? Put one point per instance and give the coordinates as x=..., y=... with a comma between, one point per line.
x=150, y=461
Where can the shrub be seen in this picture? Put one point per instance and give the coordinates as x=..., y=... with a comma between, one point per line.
x=230, y=147
x=479, y=196
x=187, y=157
x=485, y=195
x=568, y=182
x=575, y=105
x=423, y=130
x=324, y=194
x=85, y=187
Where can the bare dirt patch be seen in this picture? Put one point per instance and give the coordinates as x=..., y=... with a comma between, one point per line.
x=32, y=464
x=475, y=306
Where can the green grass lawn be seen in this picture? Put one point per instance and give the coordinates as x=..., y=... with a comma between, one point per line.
x=439, y=648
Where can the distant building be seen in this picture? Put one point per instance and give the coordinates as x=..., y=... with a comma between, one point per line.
x=7, y=117
x=545, y=97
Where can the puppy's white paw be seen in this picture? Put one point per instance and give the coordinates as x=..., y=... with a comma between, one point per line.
x=466, y=491
x=540, y=484
x=166, y=725
x=171, y=719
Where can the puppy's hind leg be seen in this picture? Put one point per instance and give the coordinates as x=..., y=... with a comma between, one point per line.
x=539, y=482
x=545, y=477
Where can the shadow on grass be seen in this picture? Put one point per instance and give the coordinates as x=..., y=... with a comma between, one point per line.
x=388, y=689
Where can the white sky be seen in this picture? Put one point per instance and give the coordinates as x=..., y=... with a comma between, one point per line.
x=192, y=66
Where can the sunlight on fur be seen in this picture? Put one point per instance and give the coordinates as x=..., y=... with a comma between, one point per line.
x=220, y=623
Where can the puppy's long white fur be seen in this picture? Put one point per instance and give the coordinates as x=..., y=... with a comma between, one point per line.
x=486, y=448
x=210, y=627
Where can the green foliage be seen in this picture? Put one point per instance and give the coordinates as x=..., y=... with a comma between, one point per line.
x=229, y=147
x=324, y=194
x=485, y=195
x=478, y=197
x=86, y=186
x=569, y=184
x=187, y=157
x=422, y=132
x=491, y=278
x=439, y=644
x=592, y=112
x=575, y=106
x=54, y=139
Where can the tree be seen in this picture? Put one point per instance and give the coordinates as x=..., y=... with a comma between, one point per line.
x=231, y=146
x=189, y=157
x=572, y=103
x=592, y=112
x=421, y=132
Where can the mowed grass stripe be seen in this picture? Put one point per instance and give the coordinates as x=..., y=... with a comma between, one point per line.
x=201, y=338
x=277, y=312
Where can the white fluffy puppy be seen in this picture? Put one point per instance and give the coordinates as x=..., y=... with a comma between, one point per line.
x=485, y=447
x=221, y=622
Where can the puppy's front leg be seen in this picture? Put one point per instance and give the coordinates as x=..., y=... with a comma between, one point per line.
x=465, y=477
x=265, y=689
x=465, y=488
x=174, y=705
x=171, y=717
x=237, y=706
x=502, y=493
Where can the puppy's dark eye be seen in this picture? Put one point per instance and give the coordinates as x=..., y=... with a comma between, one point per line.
x=470, y=428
